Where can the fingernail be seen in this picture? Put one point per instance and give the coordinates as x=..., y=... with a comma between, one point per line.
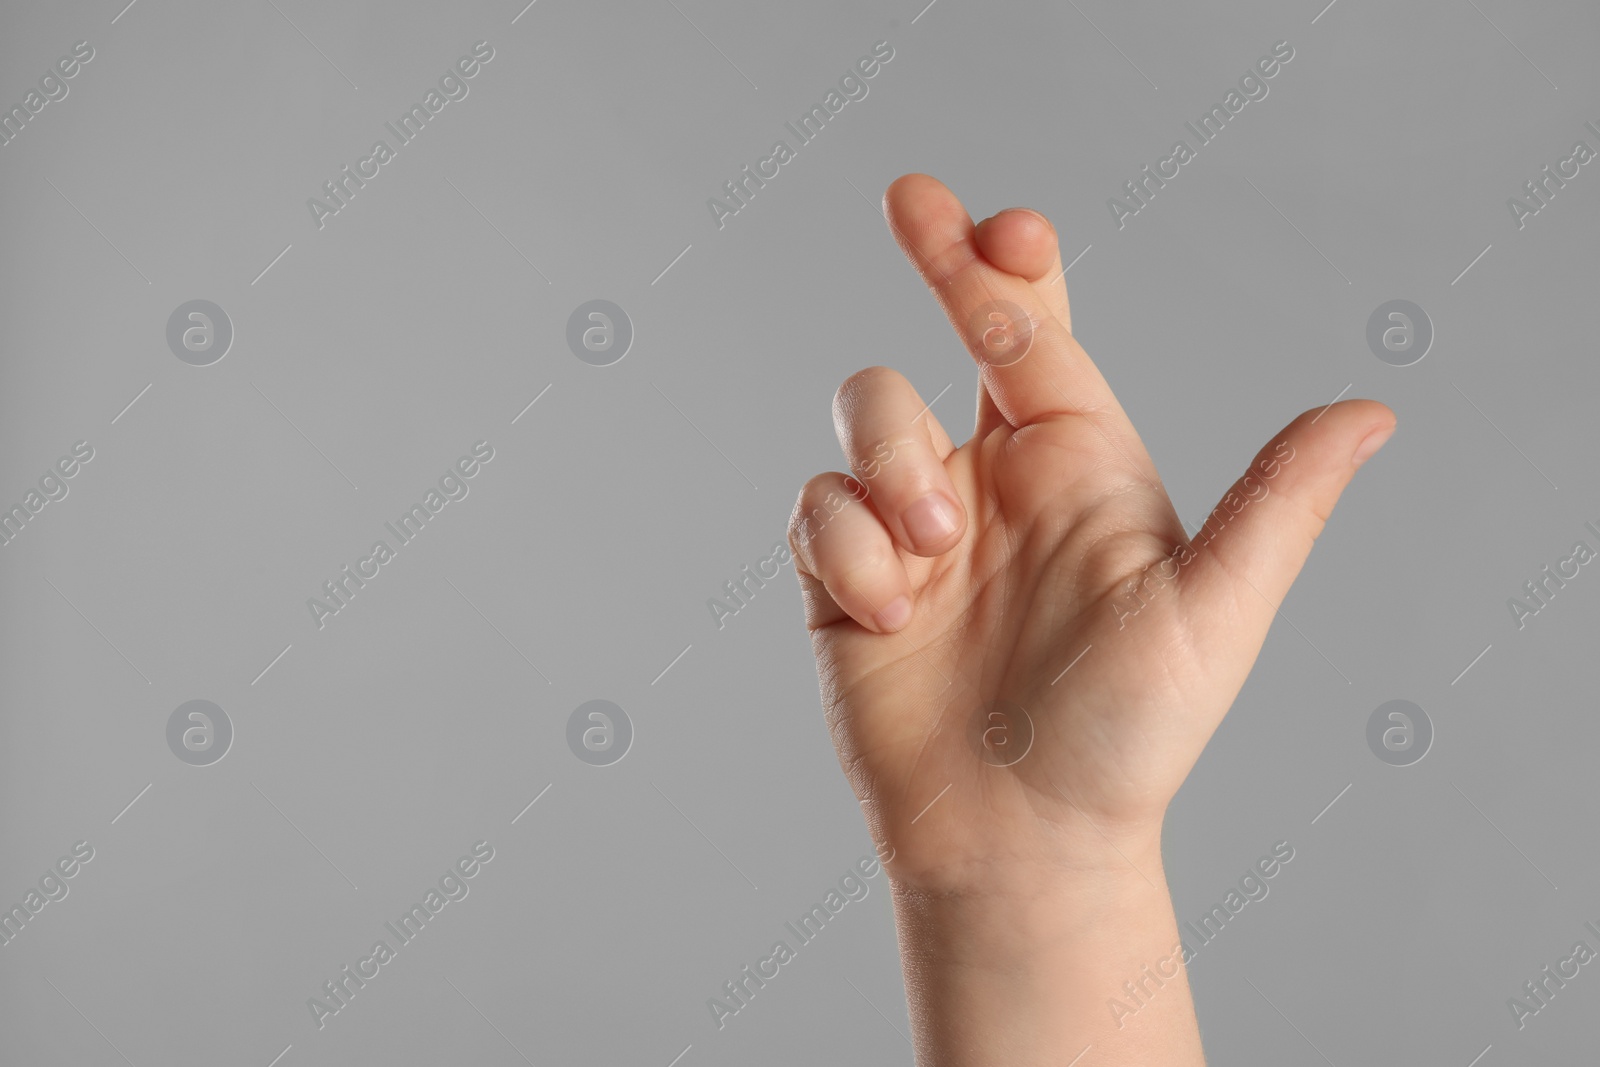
x=1009, y=210
x=930, y=520
x=1370, y=444
x=895, y=615
x=1036, y=214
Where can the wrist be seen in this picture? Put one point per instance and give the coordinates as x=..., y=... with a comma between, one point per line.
x=1031, y=969
x=1075, y=857
x=1021, y=920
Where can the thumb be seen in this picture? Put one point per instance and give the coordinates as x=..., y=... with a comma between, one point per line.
x=1250, y=548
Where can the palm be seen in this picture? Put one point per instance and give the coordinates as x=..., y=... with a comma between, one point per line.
x=1056, y=527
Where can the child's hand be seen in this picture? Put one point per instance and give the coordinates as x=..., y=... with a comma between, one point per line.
x=1038, y=566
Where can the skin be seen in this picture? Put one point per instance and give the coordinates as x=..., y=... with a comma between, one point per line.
x=1023, y=847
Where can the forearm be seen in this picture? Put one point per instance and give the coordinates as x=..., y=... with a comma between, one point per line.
x=1032, y=975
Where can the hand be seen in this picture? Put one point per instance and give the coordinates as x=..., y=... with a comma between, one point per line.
x=1039, y=566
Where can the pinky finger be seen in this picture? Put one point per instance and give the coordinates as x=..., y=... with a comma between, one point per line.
x=840, y=544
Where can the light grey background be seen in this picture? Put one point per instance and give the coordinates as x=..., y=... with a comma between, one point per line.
x=428, y=314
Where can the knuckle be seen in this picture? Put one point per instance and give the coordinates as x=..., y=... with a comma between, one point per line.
x=810, y=493
x=951, y=261
x=817, y=486
x=821, y=498
x=862, y=385
x=1317, y=513
x=820, y=488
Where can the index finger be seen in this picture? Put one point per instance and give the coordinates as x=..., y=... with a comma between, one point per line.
x=1031, y=364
